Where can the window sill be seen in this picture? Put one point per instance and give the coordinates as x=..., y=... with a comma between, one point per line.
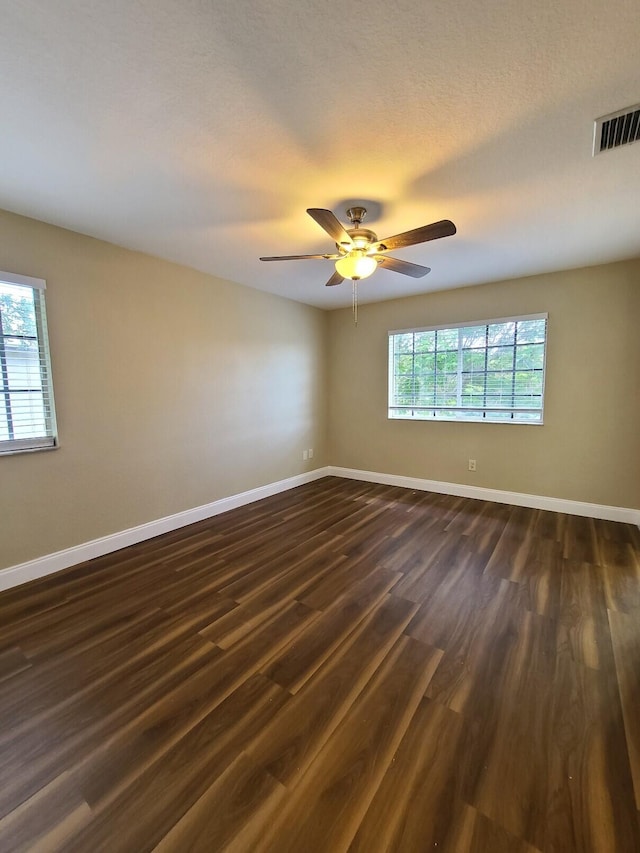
x=465, y=421
x=21, y=450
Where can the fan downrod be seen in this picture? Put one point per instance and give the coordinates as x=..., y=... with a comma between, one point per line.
x=362, y=238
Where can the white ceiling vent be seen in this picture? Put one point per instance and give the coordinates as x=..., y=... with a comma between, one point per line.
x=616, y=129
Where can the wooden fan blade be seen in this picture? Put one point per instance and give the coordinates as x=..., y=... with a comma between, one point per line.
x=302, y=258
x=396, y=265
x=444, y=228
x=336, y=278
x=331, y=225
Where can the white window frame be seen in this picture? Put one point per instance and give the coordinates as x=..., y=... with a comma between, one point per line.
x=49, y=439
x=461, y=412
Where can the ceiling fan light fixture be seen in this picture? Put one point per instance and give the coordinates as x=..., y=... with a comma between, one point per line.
x=356, y=265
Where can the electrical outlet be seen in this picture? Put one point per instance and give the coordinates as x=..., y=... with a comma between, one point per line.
x=305, y=455
x=311, y=453
x=472, y=464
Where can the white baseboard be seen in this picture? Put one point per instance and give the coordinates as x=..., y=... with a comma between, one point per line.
x=38, y=568
x=610, y=513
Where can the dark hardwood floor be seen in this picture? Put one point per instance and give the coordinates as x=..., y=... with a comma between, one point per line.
x=344, y=666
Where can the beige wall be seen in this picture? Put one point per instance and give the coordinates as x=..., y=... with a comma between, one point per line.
x=173, y=389
x=589, y=446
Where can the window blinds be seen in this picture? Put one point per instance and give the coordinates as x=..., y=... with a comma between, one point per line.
x=27, y=418
x=492, y=370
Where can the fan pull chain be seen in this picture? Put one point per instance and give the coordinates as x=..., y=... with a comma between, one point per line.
x=354, y=300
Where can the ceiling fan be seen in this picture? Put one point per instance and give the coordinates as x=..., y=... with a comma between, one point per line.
x=360, y=253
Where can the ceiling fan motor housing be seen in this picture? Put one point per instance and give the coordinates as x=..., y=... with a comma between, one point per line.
x=362, y=238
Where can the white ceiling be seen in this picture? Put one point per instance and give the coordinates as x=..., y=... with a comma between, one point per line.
x=201, y=131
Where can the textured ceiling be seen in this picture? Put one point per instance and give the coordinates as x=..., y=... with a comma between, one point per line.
x=201, y=131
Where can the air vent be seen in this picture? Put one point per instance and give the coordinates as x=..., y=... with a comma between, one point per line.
x=616, y=129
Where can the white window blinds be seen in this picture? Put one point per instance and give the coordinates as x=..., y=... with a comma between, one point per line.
x=27, y=416
x=491, y=370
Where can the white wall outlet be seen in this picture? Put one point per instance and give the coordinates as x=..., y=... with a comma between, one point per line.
x=305, y=455
x=311, y=453
x=472, y=464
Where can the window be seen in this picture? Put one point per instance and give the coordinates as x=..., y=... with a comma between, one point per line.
x=27, y=417
x=492, y=370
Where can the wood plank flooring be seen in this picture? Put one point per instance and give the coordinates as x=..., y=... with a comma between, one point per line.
x=342, y=667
